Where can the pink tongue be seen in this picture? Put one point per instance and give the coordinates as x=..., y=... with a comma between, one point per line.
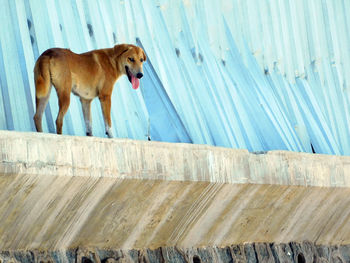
x=135, y=82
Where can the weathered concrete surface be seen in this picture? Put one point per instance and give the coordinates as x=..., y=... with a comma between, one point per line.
x=48, y=154
x=62, y=193
x=57, y=212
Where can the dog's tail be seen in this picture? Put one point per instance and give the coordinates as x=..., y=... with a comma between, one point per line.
x=42, y=76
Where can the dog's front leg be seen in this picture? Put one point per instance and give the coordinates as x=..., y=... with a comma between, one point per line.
x=105, y=101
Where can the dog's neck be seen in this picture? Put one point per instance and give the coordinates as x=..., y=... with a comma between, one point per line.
x=118, y=70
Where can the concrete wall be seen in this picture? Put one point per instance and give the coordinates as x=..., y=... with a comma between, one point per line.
x=62, y=197
x=48, y=154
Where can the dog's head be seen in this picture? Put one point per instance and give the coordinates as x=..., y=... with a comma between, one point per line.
x=129, y=59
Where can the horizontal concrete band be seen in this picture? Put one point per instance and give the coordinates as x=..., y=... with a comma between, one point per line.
x=48, y=154
x=60, y=192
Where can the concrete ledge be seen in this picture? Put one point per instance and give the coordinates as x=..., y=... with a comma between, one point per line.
x=48, y=154
x=62, y=193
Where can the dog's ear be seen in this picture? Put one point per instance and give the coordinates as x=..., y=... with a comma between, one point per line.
x=144, y=55
x=120, y=49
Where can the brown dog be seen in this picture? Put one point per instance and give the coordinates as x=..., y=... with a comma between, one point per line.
x=87, y=75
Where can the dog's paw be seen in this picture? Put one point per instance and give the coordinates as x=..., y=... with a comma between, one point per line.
x=110, y=136
x=109, y=133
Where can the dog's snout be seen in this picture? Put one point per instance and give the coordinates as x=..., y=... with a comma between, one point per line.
x=139, y=75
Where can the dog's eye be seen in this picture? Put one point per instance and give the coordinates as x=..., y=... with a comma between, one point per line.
x=141, y=59
x=132, y=59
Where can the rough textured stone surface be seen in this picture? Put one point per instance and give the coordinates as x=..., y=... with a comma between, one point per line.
x=304, y=252
x=71, y=199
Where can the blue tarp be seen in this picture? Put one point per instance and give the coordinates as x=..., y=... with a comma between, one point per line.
x=260, y=75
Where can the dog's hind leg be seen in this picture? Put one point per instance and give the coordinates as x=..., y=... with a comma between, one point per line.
x=63, y=102
x=42, y=81
x=40, y=107
x=86, y=106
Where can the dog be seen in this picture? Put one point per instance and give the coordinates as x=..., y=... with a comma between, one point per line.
x=87, y=75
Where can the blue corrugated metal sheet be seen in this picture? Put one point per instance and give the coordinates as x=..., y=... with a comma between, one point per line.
x=249, y=74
